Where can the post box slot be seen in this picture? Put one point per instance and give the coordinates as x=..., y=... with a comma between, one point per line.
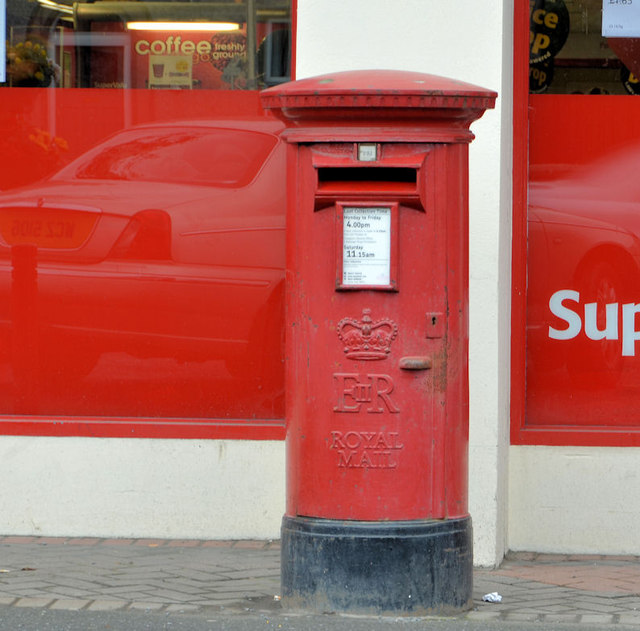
x=398, y=180
x=402, y=175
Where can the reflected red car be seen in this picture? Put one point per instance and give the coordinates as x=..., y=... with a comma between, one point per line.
x=153, y=262
x=583, y=295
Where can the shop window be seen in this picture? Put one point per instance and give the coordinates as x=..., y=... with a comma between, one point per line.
x=142, y=212
x=159, y=45
x=582, y=358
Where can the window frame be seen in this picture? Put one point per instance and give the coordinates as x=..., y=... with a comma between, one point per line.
x=521, y=432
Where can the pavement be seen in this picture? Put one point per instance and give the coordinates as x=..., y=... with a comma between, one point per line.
x=222, y=579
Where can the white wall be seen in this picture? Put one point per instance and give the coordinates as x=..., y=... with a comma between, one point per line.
x=108, y=487
x=462, y=40
x=574, y=499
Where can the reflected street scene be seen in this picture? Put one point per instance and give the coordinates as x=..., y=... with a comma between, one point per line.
x=145, y=278
x=583, y=333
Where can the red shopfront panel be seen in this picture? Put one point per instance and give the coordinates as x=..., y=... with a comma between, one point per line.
x=141, y=244
x=582, y=341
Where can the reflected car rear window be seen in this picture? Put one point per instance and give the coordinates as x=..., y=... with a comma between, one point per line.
x=220, y=157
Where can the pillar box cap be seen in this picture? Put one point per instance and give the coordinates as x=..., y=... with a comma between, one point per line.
x=387, y=101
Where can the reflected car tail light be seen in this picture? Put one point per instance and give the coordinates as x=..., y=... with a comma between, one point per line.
x=146, y=236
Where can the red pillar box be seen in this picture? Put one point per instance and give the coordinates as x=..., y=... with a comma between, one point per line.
x=376, y=351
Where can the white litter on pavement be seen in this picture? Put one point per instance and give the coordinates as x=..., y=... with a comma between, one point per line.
x=493, y=597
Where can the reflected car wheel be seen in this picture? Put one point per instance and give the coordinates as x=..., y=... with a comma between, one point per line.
x=597, y=363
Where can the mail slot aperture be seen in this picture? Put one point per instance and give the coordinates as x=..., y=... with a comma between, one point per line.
x=384, y=175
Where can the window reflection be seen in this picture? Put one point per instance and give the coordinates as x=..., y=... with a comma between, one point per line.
x=142, y=223
x=583, y=303
x=146, y=277
x=583, y=231
x=176, y=155
x=569, y=55
x=157, y=45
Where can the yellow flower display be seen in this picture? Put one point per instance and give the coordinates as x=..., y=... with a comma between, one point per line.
x=28, y=64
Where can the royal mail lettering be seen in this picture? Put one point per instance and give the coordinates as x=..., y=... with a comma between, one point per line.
x=366, y=440
x=366, y=459
x=374, y=450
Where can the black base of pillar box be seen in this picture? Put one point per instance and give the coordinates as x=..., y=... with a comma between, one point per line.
x=408, y=567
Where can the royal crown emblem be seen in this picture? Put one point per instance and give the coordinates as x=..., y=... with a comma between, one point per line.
x=366, y=339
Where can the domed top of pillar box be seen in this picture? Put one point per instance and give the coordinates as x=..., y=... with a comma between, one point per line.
x=381, y=104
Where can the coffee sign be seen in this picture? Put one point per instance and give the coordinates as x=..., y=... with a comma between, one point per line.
x=170, y=71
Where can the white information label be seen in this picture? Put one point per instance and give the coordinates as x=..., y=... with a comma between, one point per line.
x=367, y=152
x=366, y=246
x=621, y=18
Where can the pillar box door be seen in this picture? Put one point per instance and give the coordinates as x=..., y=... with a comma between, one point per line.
x=377, y=336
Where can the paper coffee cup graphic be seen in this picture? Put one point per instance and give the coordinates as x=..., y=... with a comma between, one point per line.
x=170, y=71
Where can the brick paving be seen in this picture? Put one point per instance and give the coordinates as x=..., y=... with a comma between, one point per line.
x=587, y=589
x=107, y=574
x=239, y=576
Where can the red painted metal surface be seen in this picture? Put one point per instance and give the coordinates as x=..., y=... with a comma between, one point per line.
x=141, y=264
x=376, y=373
